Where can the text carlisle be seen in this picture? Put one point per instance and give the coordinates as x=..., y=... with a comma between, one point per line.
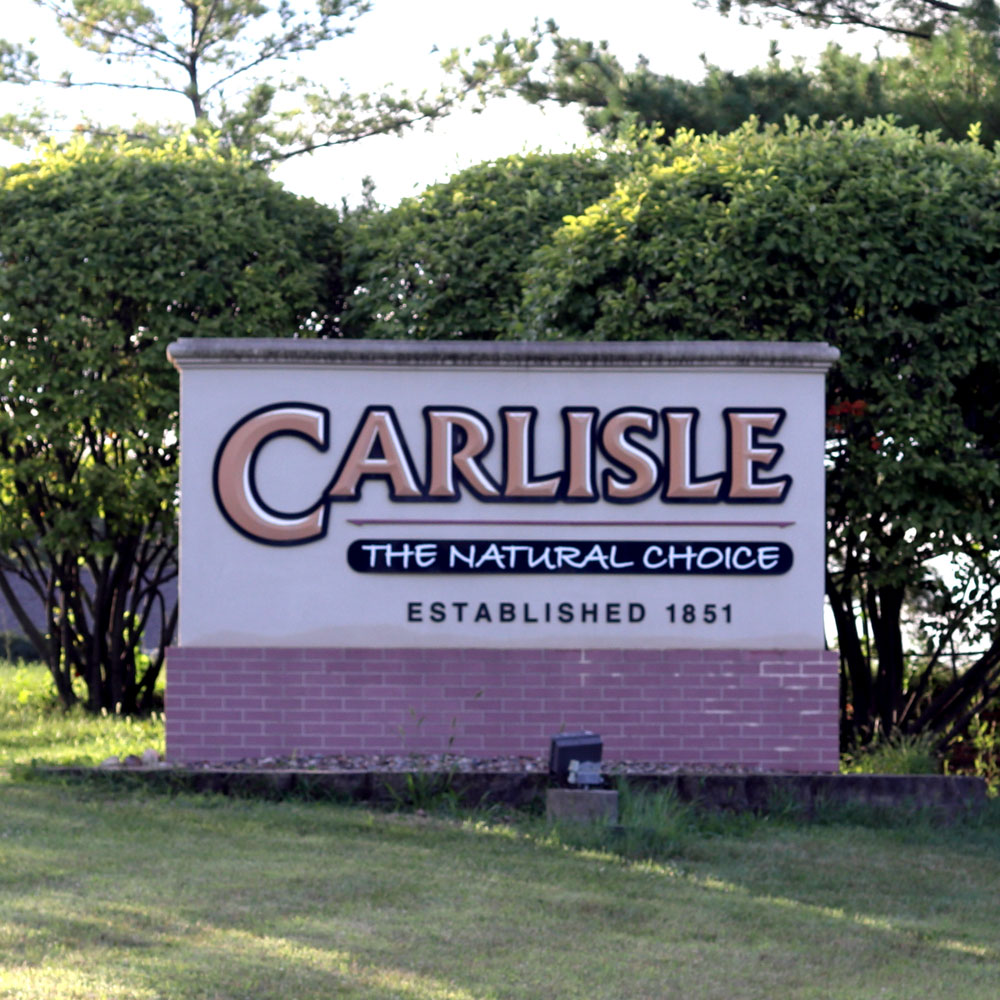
x=443, y=556
x=630, y=455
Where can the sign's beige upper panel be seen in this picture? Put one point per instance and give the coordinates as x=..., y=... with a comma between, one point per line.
x=372, y=493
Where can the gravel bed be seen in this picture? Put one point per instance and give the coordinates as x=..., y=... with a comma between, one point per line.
x=449, y=763
x=446, y=762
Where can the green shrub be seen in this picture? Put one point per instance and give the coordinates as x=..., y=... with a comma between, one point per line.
x=448, y=262
x=986, y=746
x=108, y=253
x=897, y=753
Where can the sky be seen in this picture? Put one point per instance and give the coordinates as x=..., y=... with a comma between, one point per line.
x=401, y=42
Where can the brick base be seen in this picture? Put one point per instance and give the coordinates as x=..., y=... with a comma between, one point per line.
x=772, y=710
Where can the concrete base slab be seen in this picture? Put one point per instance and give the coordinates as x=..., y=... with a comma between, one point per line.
x=946, y=796
x=581, y=806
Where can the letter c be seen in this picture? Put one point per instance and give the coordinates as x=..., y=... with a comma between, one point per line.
x=650, y=561
x=234, y=479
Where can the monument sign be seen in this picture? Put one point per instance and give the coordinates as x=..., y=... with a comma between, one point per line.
x=375, y=495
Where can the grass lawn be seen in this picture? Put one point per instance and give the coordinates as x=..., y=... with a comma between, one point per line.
x=135, y=895
x=34, y=728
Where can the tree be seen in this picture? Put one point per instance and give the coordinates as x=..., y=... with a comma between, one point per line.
x=106, y=256
x=226, y=60
x=447, y=263
x=950, y=78
x=948, y=83
x=611, y=97
x=885, y=243
x=918, y=19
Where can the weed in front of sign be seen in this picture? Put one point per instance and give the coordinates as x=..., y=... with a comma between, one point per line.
x=423, y=788
x=651, y=825
x=424, y=791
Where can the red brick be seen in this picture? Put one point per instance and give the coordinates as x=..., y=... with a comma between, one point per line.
x=675, y=706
